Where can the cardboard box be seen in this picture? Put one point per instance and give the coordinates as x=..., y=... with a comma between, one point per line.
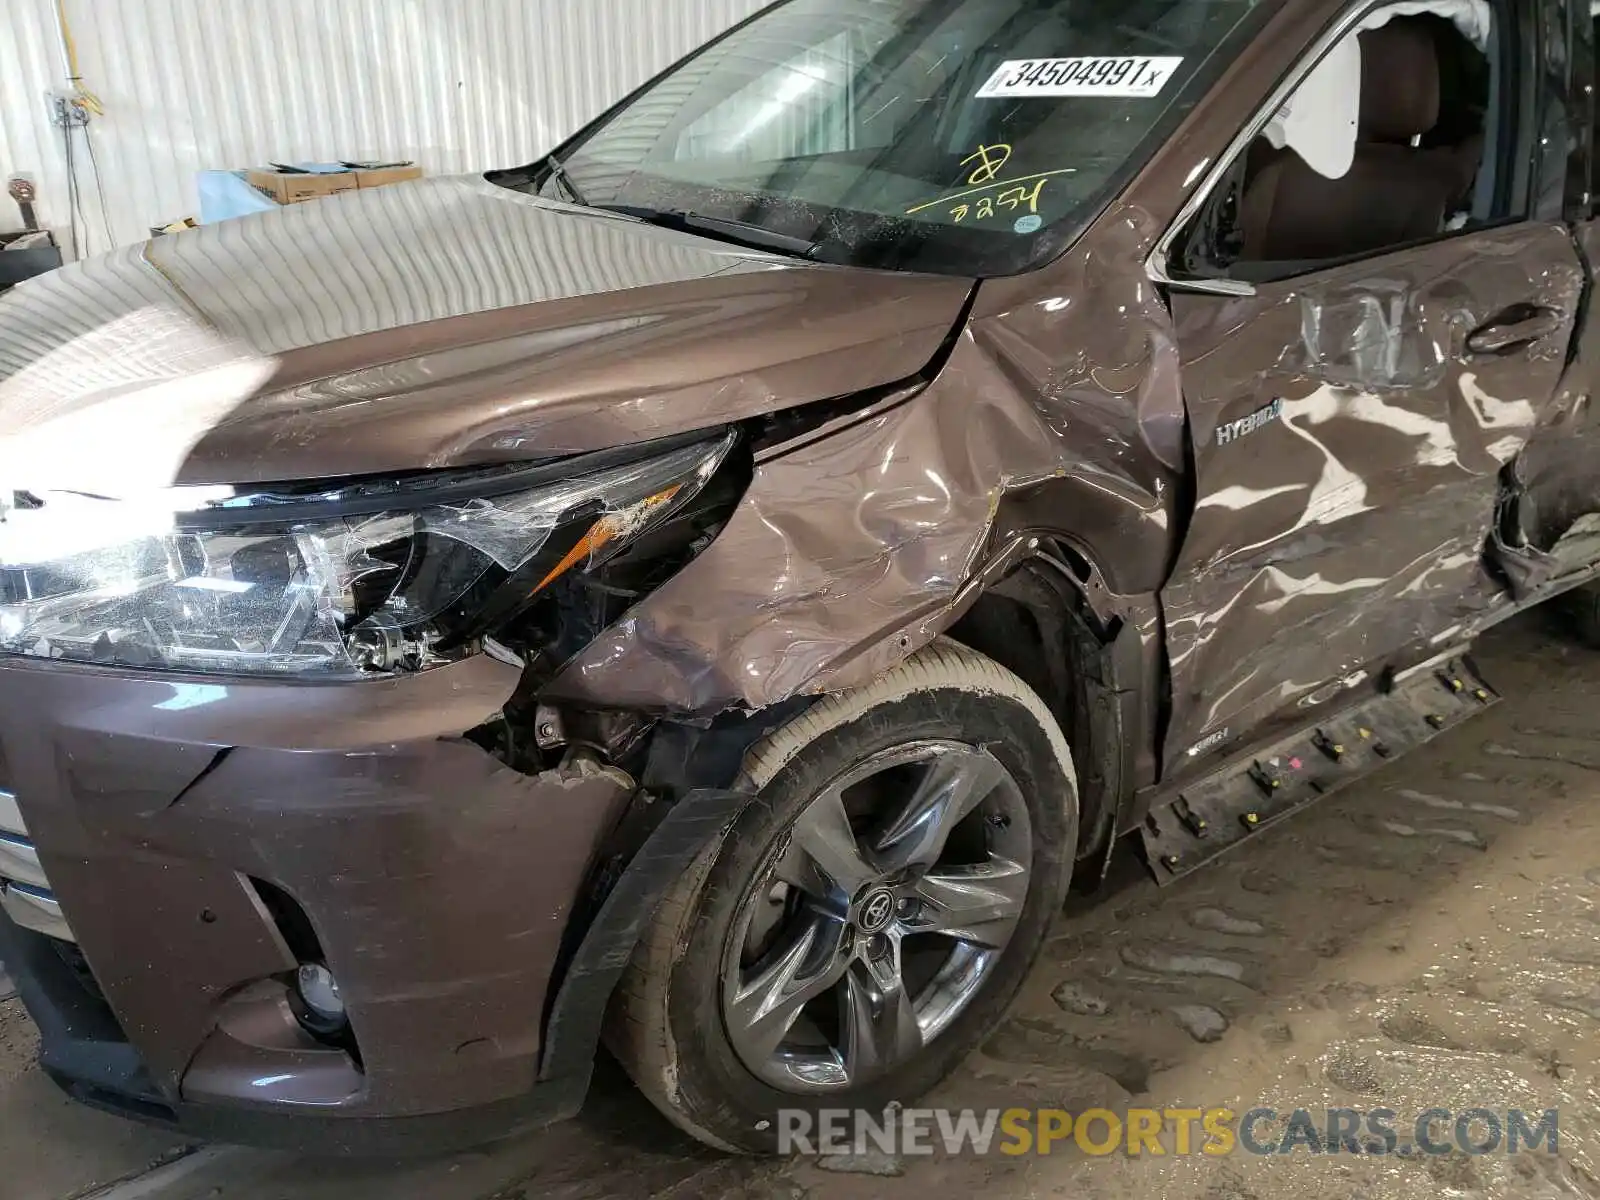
x=369, y=177
x=291, y=187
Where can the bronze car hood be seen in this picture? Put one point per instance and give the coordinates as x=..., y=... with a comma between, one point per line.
x=454, y=321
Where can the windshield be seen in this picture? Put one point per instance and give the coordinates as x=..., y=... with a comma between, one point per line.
x=964, y=136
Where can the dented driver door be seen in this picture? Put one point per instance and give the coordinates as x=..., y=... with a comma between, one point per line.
x=1348, y=429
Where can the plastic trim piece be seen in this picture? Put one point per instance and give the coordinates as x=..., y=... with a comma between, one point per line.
x=25, y=893
x=579, y=1010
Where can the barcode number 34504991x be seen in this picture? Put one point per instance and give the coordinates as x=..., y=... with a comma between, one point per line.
x=1085, y=76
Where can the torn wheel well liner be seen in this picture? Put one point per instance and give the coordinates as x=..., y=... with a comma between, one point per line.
x=1037, y=623
x=690, y=791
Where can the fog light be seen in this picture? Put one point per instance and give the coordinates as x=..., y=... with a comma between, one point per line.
x=318, y=993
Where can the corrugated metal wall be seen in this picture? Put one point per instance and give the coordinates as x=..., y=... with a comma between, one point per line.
x=458, y=85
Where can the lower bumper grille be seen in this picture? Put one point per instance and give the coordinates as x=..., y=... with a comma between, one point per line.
x=24, y=890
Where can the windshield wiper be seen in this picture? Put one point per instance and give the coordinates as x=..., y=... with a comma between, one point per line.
x=742, y=233
x=559, y=173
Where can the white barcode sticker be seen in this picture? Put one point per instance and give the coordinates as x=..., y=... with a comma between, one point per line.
x=1088, y=76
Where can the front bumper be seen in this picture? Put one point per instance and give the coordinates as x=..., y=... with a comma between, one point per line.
x=171, y=818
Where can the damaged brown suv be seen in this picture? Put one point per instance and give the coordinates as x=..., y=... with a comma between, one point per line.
x=708, y=590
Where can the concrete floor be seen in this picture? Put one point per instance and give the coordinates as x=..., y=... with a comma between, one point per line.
x=1431, y=938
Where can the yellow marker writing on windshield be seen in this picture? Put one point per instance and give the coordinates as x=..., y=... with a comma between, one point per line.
x=1017, y=194
x=990, y=160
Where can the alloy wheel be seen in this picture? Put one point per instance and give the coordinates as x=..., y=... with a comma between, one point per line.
x=877, y=917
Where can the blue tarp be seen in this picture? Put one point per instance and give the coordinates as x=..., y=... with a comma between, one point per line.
x=225, y=194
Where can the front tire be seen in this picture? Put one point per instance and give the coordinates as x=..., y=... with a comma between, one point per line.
x=863, y=924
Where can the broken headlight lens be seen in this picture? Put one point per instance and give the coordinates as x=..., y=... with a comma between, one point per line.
x=370, y=578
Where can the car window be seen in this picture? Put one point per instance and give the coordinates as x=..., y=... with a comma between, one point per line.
x=1427, y=145
x=966, y=136
x=1592, y=28
x=802, y=108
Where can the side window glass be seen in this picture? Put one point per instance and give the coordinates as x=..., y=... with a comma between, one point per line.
x=1396, y=137
x=1588, y=61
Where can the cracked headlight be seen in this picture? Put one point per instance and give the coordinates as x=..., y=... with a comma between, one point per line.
x=369, y=577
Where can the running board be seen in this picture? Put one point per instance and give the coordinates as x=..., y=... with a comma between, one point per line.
x=1246, y=795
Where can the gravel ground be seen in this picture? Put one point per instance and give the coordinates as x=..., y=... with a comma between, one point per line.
x=1430, y=938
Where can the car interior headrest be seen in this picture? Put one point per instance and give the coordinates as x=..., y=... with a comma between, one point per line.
x=1399, y=81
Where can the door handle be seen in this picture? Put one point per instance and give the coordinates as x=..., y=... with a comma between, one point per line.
x=1514, y=328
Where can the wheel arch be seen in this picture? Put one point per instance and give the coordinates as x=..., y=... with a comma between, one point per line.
x=944, y=691
x=1044, y=620
x=1038, y=622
